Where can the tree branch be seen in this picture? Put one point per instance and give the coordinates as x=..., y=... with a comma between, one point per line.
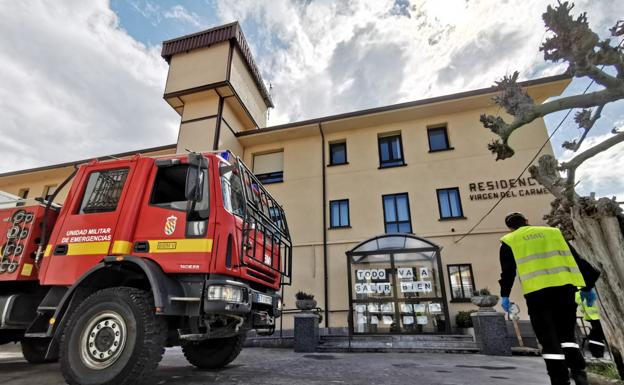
x=585, y=121
x=575, y=162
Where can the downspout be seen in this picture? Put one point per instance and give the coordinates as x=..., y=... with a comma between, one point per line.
x=325, y=272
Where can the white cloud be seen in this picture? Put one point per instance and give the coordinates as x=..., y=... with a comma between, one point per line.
x=324, y=57
x=75, y=85
x=180, y=13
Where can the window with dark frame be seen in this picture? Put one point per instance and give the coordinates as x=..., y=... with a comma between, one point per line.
x=461, y=281
x=390, y=151
x=23, y=194
x=337, y=153
x=438, y=139
x=339, y=213
x=397, y=217
x=103, y=191
x=449, y=203
x=269, y=168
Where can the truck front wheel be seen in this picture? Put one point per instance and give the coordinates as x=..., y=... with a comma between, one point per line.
x=214, y=353
x=113, y=337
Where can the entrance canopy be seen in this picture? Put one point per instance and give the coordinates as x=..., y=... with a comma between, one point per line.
x=396, y=286
x=383, y=244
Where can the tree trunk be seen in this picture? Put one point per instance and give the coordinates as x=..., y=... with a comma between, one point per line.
x=599, y=239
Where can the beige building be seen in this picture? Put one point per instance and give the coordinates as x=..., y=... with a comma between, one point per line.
x=418, y=168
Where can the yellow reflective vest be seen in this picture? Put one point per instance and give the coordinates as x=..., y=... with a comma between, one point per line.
x=590, y=313
x=543, y=258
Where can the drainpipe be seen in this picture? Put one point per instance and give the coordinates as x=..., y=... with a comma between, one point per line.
x=325, y=272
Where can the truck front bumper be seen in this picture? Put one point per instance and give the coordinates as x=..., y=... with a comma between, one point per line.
x=227, y=297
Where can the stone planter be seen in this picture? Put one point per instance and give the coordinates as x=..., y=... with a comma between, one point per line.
x=305, y=304
x=486, y=303
x=468, y=331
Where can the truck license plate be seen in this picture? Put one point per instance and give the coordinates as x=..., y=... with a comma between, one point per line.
x=265, y=299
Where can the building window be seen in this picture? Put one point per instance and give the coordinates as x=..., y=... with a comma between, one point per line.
x=269, y=168
x=449, y=203
x=462, y=282
x=23, y=194
x=397, y=217
x=390, y=151
x=103, y=191
x=337, y=153
x=438, y=139
x=48, y=191
x=339, y=213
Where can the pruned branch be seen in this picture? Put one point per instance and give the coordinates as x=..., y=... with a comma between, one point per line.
x=586, y=121
x=504, y=130
x=575, y=162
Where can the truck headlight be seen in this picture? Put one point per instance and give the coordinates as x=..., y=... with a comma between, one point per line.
x=225, y=293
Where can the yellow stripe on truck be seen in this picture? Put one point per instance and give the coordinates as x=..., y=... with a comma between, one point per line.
x=88, y=248
x=48, y=251
x=121, y=247
x=180, y=245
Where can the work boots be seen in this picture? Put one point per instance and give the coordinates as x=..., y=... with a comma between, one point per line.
x=580, y=378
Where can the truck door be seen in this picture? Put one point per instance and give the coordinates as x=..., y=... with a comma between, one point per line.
x=88, y=222
x=171, y=232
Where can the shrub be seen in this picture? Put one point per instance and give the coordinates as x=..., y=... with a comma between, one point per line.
x=301, y=295
x=463, y=319
x=484, y=291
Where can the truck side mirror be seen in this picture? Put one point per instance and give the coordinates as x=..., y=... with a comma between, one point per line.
x=193, y=188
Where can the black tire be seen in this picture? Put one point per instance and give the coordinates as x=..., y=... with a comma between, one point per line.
x=134, y=334
x=34, y=350
x=215, y=353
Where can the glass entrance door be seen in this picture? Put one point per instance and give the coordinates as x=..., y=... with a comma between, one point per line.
x=396, y=289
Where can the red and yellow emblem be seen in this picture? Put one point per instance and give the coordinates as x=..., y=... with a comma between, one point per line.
x=170, y=225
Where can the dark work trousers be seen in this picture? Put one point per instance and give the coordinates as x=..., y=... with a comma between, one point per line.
x=596, y=339
x=553, y=316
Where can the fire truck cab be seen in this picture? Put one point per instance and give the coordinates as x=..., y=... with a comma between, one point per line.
x=145, y=253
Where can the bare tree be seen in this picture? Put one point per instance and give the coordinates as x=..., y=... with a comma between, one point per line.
x=596, y=226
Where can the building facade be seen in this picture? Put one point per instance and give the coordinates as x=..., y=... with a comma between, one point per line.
x=417, y=175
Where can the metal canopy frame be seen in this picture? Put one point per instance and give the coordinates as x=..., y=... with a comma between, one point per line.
x=428, y=247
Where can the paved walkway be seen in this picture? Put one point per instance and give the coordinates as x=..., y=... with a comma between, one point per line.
x=276, y=366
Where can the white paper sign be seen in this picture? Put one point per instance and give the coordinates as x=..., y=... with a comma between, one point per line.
x=371, y=274
x=424, y=273
x=405, y=273
x=406, y=308
x=373, y=308
x=387, y=308
x=387, y=320
x=374, y=320
x=420, y=307
x=360, y=308
x=416, y=287
x=361, y=319
x=373, y=288
x=422, y=320
x=435, y=308
x=408, y=320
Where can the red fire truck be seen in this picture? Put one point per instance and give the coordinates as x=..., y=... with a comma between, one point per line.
x=186, y=250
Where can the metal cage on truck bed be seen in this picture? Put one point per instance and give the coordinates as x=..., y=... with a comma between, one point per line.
x=265, y=230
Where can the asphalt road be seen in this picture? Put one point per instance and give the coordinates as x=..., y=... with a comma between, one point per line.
x=276, y=366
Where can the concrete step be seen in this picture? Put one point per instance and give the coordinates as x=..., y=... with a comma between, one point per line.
x=399, y=343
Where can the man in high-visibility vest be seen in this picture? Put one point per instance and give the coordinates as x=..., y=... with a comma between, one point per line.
x=550, y=272
x=596, y=335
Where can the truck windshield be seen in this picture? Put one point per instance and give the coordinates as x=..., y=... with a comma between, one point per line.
x=232, y=190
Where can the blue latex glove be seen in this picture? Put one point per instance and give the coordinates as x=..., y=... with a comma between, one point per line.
x=505, y=304
x=589, y=297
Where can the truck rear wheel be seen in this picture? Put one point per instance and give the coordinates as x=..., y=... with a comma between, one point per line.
x=214, y=353
x=113, y=337
x=34, y=350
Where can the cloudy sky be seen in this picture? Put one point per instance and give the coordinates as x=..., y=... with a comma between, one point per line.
x=85, y=78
